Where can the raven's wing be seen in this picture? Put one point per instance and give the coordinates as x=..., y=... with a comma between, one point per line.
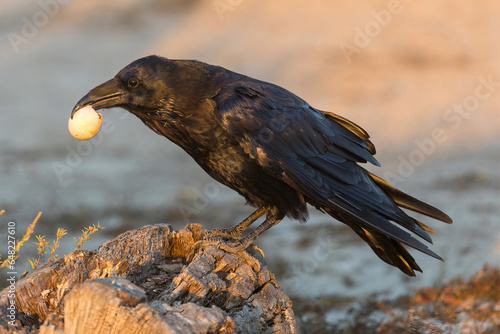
x=316, y=153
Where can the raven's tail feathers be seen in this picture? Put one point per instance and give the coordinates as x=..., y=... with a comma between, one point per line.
x=411, y=203
x=387, y=248
x=386, y=239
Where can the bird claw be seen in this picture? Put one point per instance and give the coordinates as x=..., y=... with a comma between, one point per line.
x=258, y=249
x=231, y=246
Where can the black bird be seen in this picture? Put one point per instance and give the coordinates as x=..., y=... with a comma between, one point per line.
x=271, y=147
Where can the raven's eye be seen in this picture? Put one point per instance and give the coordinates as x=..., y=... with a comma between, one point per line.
x=133, y=82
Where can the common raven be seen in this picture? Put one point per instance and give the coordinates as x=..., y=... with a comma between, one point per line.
x=271, y=147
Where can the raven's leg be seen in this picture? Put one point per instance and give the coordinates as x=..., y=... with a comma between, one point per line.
x=236, y=231
x=239, y=246
x=235, y=246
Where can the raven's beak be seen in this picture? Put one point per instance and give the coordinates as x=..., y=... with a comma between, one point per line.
x=107, y=95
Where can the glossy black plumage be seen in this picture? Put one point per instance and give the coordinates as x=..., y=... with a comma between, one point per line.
x=272, y=147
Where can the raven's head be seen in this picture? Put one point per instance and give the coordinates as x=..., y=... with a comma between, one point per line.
x=149, y=86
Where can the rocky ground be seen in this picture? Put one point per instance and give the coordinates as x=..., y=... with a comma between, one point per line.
x=460, y=306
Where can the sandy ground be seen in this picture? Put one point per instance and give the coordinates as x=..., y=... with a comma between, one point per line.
x=423, y=78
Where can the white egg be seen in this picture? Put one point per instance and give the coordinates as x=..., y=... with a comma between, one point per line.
x=85, y=123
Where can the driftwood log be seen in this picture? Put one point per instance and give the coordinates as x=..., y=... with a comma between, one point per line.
x=142, y=282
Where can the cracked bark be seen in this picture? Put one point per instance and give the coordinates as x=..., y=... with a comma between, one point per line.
x=141, y=282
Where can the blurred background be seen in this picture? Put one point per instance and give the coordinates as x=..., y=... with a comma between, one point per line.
x=423, y=78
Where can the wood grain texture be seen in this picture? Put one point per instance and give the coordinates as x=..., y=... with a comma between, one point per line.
x=141, y=282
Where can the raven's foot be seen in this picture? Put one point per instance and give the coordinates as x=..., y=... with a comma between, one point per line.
x=236, y=243
x=236, y=232
x=233, y=246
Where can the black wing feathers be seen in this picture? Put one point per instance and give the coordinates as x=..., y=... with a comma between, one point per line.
x=317, y=153
x=354, y=128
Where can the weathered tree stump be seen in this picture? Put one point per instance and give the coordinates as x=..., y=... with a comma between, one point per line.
x=142, y=282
